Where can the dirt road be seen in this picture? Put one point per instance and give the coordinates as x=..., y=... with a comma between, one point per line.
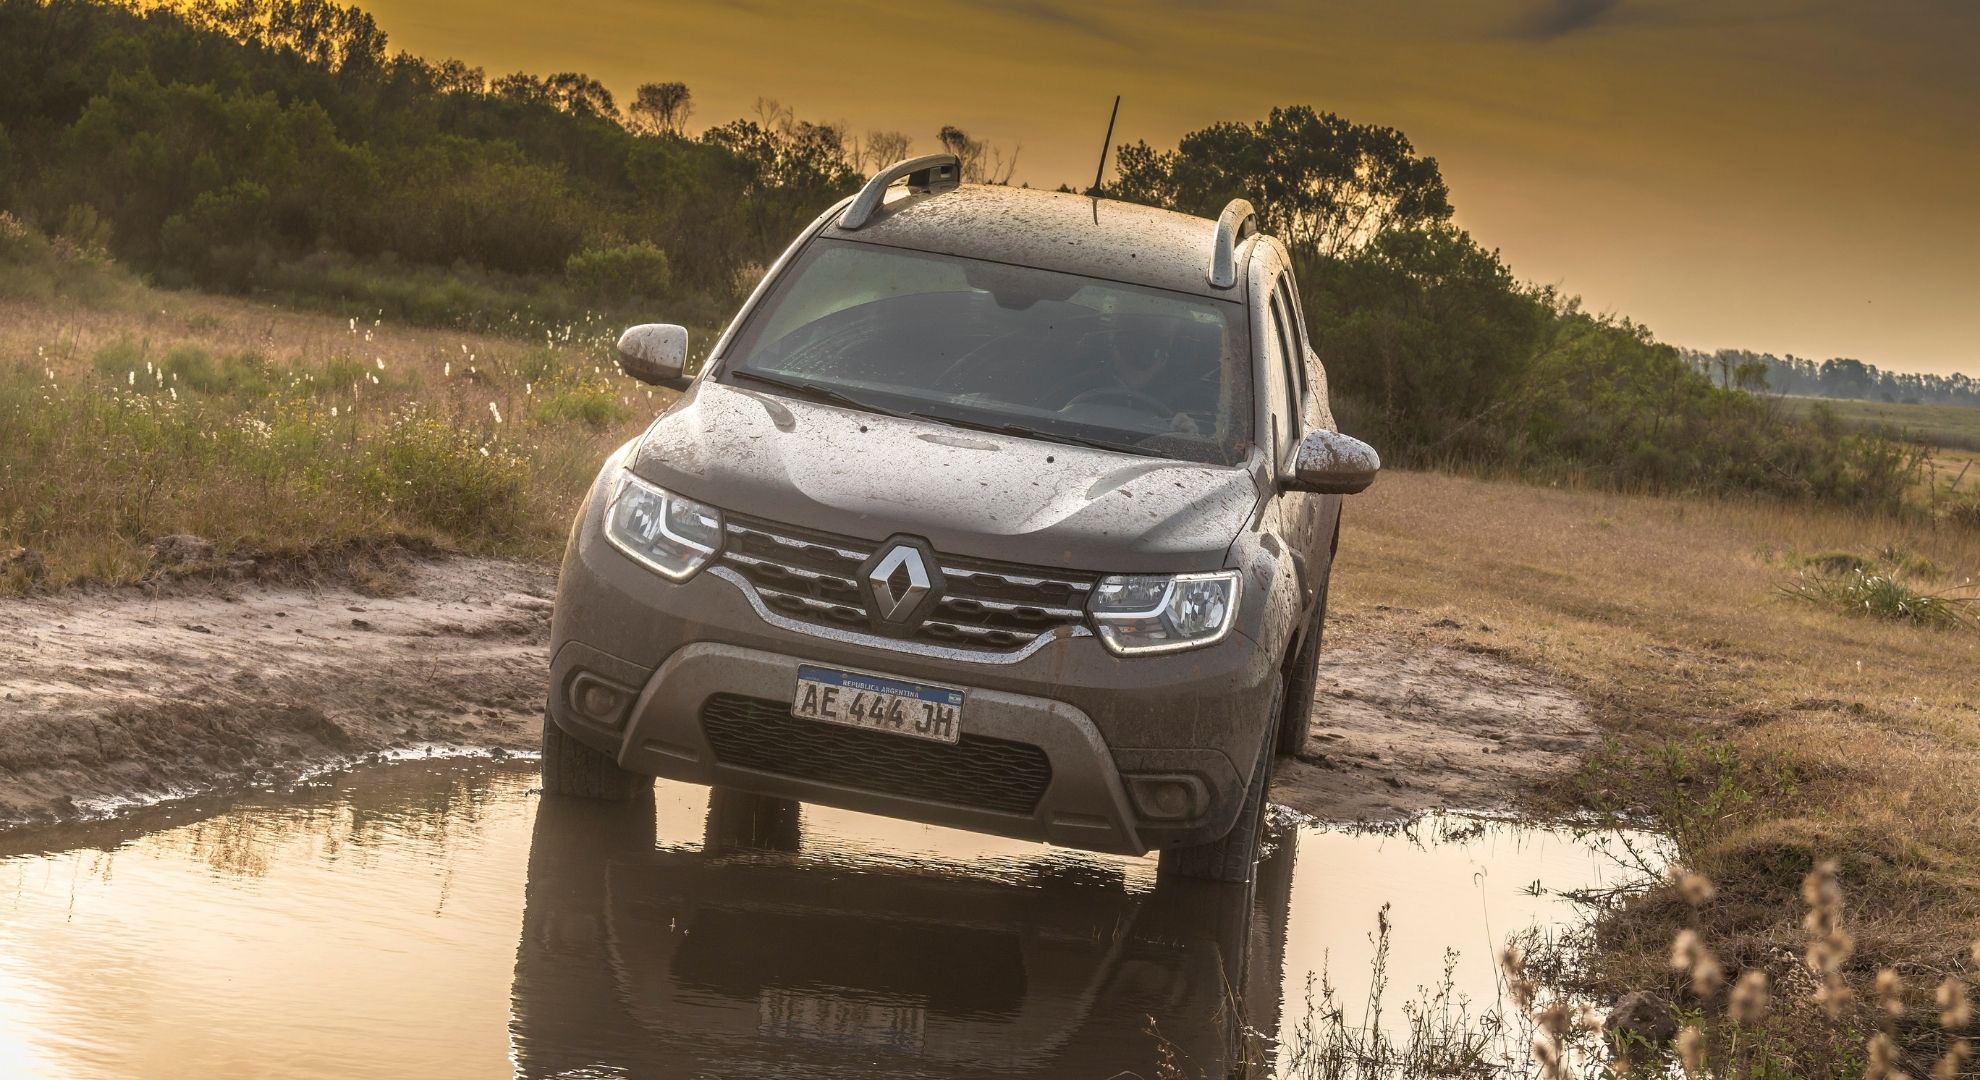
x=115, y=699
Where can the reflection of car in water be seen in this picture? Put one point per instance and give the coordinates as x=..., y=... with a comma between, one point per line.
x=749, y=958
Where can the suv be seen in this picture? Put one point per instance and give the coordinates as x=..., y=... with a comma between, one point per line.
x=998, y=509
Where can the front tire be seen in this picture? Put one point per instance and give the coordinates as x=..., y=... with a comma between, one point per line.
x=1234, y=857
x=1302, y=683
x=574, y=769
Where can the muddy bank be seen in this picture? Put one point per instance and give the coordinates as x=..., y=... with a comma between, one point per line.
x=109, y=699
x=114, y=697
x=1407, y=721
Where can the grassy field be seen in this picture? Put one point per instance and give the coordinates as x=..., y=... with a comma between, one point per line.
x=292, y=439
x=1952, y=426
x=1763, y=733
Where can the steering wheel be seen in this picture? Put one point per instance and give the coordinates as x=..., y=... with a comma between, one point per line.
x=1124, y=396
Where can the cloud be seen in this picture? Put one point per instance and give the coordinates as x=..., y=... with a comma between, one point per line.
x=1559, y=18
x=1071, y=17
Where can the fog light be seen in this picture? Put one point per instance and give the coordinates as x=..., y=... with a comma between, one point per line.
x=598, y=700
x=1167, y=797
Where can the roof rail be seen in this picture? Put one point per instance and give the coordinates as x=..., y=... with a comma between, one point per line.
x=930, y=173
x=1233, y=225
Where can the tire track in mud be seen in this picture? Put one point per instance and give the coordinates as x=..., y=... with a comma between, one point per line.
x=110, y=698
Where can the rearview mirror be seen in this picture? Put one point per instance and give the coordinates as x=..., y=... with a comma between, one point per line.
x=655, y=353
x=1331, y=463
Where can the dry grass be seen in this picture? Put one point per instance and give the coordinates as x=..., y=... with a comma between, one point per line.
x=1765, y=733
x=288, y=435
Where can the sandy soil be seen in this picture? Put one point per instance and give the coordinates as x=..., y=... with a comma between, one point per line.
x=113, y=699
x=110, y=698
x=1405, y=723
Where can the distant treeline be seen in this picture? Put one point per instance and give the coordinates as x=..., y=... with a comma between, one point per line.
x=1852, y=380
x=277, y=146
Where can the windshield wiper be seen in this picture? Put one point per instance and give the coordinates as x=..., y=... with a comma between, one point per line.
x=813, y=392
x=1029, y=433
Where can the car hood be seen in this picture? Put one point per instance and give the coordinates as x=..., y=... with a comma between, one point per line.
x=968, y=493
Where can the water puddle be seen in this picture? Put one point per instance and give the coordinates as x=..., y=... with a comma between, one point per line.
x=437, y=919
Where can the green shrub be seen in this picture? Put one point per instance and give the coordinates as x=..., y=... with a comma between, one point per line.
x=620, y=273
x=116, y=361
x=437, y=474
x=191, y=367
x=594, y=405
x=1883, y=596
x=35, y=267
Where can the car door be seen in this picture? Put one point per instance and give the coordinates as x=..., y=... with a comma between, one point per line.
x=1292, y=413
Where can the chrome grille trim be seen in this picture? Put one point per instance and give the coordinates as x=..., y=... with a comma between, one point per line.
x=875, y=641
x=811, y=578
x=794, y=542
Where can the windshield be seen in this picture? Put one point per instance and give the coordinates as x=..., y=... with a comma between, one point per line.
x=1009, y=348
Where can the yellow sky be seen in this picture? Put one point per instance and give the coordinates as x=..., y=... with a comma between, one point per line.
x=1787, y=175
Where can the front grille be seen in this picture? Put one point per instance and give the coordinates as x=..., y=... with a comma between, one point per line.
x=812, y=576
x=976, y=772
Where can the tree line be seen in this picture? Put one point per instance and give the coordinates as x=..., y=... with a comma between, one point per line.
x=278, y=144
x=1840, y=377
x=1437, y=352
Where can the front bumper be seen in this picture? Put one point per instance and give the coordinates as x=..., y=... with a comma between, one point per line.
x=1111, y=729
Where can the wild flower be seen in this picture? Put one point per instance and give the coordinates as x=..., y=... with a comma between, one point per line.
x=1513, y=961
x=1882, y=1064
x=1697, y=889
x=1684, y=950
x=1829, y=944
x=1954, y=1063
x=1689, y=954
x=1750, y=998
x=1691, y=1050
x=1890, y=993
x=1955, y=1011
x=495, y=412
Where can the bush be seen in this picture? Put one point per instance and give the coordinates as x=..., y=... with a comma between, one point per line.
x=35, y=267
x=620, y=273
x=595, y=406
x=440, y=475
x=1883, y=596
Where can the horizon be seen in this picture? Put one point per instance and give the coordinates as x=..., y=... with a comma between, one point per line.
x=1652, y=159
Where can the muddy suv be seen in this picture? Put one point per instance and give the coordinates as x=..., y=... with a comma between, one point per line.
x=997, y=509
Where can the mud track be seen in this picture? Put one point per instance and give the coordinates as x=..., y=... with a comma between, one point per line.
x=112, y=699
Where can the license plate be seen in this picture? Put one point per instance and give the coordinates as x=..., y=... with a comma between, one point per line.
x=808, y=1016
x=878, y=704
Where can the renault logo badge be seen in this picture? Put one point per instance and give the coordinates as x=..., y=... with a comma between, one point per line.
x=900, y=581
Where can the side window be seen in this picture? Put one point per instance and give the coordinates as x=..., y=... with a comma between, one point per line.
x=1285, y=384
x=1295, y=332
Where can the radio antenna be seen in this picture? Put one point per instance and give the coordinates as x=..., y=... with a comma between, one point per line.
x=1106, y=144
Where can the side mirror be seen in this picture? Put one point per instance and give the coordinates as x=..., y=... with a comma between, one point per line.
x=1331, y=463
x=655, y=353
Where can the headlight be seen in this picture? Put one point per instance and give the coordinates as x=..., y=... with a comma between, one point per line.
x=1155, y=614
x=672, y=535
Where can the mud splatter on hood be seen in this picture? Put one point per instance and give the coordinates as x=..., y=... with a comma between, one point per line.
x=991, y=496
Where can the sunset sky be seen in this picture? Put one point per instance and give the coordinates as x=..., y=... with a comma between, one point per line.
x=1784, y=176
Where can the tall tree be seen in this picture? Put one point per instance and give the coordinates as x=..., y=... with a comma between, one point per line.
x=1322, y=184
x=660, y=108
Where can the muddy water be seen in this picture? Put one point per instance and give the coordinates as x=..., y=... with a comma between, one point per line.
x=440, y=920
